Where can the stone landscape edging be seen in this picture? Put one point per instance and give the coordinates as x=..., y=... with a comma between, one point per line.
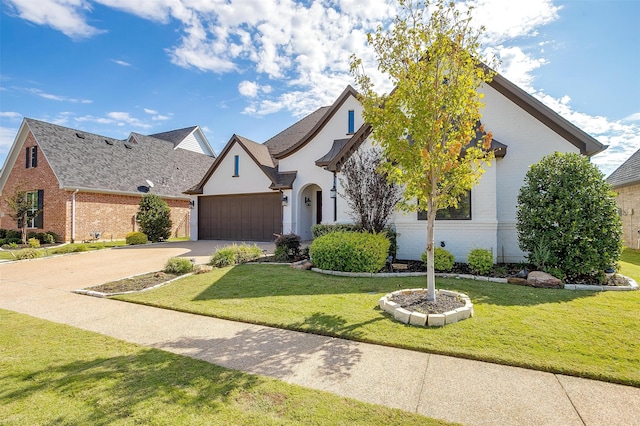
x=633, y=285
x=426, y=320
x=101, y=294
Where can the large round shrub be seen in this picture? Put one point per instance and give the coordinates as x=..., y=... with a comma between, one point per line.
x=480, y=261
x=134, y=238
x=568, y=210
x=350, y=251
x=154, y=216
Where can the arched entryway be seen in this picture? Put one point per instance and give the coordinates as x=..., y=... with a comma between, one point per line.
x=309, y=210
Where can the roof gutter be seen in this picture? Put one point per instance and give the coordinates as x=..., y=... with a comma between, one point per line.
x=129, y=194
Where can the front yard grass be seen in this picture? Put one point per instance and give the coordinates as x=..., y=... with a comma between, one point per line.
x=581, y=333
x=56, y=374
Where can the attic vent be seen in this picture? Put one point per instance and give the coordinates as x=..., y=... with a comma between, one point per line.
x=126, y=145
x=80, y=135
x=108, y=142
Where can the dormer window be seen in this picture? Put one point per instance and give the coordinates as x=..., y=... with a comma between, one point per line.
x=31, y=156
x=352, y=123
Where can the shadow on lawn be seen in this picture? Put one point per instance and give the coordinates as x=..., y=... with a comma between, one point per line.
x=257, y=281
x=274, y=352
x=113, y=389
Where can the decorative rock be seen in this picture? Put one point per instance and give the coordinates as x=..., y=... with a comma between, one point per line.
x=402, y=315
x=517, y=280
x=304, y=265
x=203, y=269
x=418, y=318
x=435, y=320
x=543, y=280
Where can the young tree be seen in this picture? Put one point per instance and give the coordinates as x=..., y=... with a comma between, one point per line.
x=22, y=209
x=426, y=124
x=568, y=212
x=370, y=196
x=154, y=216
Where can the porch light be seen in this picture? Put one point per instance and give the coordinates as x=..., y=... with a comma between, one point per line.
x=307, y=201
x=333, y=192
x=285, y=200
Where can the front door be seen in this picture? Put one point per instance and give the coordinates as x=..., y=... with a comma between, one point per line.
x=318, y=207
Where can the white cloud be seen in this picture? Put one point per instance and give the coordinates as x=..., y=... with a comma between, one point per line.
x=150, y=111
x=117, y=118
x=58, y=98
x=63, y=15
x=7, y=136
x=123, y=63
x=633, y=117
x=10, y=114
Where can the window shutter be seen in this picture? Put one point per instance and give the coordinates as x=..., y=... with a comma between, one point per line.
x=28, y=157
x=39, y=218
x=34, y=156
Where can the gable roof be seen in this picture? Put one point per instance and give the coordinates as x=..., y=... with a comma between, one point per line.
x=585, y=143
x=96, y=163
x=260, y=155
x=175, y=136
x=628, y=173
x=297, y=136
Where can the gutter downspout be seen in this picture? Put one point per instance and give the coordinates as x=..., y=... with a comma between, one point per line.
x=73, y=216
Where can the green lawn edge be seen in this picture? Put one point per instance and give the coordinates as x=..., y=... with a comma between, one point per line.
x=57, y=374
x=586, y=334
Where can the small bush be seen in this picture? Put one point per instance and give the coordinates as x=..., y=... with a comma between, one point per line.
x=50, y=237
x=33, y=243
x=324, y=229
x=28, y=253
x=350, y=251
x=443, y=259
x=70, y=248
x=3, y=233
x=134, y=238
x=281, y=254
x=178, y=265
x=290, y=242
x=12, y=234
x=480, y=261
x=234, y=254
x=11, y=243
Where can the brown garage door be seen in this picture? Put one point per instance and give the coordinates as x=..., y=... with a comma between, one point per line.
x=246, y=217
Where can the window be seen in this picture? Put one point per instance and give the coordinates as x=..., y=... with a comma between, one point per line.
x=34, y=208
x=31, y=156
x=352, y=125
x=462, y=212
x=236, y=165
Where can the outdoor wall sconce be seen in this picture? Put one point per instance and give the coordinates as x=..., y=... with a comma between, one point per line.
x=285, y=200
x=192, y=204
x=307, y=201
x=333, y=192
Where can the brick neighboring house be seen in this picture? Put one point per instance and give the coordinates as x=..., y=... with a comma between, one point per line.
x=86, y=183
x=626, y=182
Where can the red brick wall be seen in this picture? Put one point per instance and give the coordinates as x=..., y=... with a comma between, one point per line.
x=629, y=202
x=33, y=179
x=113, y=215
x=110, y=214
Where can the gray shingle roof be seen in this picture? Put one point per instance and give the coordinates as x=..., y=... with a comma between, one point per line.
x=175, y=136
x=293, y=134
x=627, y=173
x=100, y=163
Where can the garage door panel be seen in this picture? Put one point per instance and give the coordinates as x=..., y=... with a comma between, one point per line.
x=249, y=217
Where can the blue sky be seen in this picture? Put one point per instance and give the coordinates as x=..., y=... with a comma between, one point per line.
x=254, y=67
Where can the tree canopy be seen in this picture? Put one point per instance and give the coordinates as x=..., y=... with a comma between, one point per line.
x=427, y=124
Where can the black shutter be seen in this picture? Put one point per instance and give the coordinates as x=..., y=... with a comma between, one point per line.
x=28, y=157
x=39, y=218
x=34, y=156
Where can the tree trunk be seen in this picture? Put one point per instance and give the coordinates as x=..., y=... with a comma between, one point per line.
x=431, y=276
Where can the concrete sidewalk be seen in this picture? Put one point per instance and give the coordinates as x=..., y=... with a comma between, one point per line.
x=469, y=392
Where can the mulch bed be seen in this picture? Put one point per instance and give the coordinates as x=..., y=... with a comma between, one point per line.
x=137, y=283
x=418, y=302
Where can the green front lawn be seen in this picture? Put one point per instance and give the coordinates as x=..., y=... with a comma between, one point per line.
x=588, y=334
x=52, y=374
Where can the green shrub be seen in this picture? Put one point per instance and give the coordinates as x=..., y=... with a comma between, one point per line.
x=566, y=204
x=50, y=237
x=70, y=248
x=33, y=243
x=154, y=216
x=28, y=253
x=324, y=229
x=281, y=254
x=12, y=234
x=134, y=238
x=12, y=242
x=443, y=259
x=392, y=236
x=2, y=242
x=178, y=265
x=350, y=251
x=480, y=261
x=3, y=233
x=234, y=254
x=290, y=243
